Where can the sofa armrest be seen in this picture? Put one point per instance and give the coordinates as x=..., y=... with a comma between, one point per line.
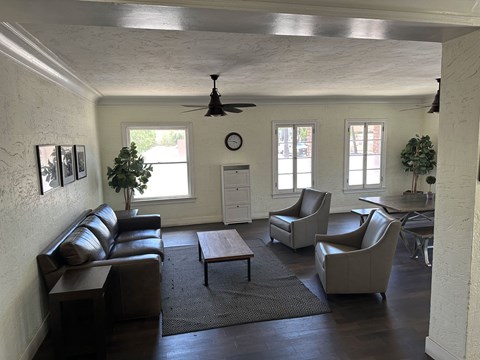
x=135, y=284
x=140, y=222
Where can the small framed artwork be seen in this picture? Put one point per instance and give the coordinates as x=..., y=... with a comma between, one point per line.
x=48, y=169
x=80, y=161
x=67, y=164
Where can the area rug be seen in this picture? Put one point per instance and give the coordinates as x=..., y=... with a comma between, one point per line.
x=273, y=292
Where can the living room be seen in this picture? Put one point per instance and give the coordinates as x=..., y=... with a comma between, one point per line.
x=37, y=111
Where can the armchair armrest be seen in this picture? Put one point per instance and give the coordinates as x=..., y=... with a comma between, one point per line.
x=292, y=210
x=353, y=238
x=140, y=222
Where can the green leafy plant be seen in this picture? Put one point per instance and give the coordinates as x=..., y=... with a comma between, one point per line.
x=129, y=173
x=430, y=181
x=418, y=157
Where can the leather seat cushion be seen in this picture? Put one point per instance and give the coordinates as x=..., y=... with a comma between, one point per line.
x=137, y=247
x=323, y=249
x=311, y=202
x=81, y=246
x=282, y=221
x=137, y=235
x=100, y=230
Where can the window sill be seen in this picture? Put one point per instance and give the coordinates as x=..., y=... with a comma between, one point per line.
x=286, y=195
x=153, y=201
x=363, y=191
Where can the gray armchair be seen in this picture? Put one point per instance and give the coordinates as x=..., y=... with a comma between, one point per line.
x=297, y=225
x=359, y=261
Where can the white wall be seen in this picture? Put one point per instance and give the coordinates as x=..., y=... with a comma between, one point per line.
x=455, y=309
x=255, y=125
x=34, y=111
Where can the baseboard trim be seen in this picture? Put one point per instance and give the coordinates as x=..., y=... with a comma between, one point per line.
x=436, y=351
x=37, y=340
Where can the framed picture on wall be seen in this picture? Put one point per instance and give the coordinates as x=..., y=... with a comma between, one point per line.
x=67, y=164
x=80, y=161
x=48, y=169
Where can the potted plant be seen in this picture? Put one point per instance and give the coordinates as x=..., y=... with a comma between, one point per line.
x=430, y=181
x=129, y=173
x=418, y=157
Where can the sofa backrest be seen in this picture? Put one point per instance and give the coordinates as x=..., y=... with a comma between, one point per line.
x=81, y=246
x=311, y=202
x=376, y=228
x=100, y=230
x=108, y=217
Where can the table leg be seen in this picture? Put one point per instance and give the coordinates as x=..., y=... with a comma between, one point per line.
x=425, y=252
x=205, y=271
x=199, y=252
x=249, y=272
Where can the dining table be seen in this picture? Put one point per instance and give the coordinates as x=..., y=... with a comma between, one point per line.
x=409, y=209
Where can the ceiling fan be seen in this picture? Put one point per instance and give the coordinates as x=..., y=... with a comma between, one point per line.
x=215, y=107
x=434, y=107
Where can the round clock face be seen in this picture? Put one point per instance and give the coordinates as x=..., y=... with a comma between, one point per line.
x=233, y=141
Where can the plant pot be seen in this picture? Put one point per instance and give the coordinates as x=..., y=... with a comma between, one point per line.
x=125, y=214
x=409, y=192
x=430, y=195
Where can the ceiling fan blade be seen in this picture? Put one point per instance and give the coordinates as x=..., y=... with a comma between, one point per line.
x=240, y=105
x=232, y=109
x=196, y=106
x=186, y=111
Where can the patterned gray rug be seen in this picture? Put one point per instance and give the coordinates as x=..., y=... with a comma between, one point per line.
x=273, y=293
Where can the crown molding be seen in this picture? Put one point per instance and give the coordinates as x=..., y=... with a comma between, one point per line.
x=22, y=47
x=262, y=100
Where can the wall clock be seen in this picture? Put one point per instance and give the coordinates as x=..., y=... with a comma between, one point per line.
x=233, y=141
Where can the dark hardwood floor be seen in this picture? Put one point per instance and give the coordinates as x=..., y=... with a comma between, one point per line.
x=360, y=327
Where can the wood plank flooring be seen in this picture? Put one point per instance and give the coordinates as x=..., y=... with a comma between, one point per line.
x=360, y=327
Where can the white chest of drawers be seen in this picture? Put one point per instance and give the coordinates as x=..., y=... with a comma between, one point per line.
x=236, y=204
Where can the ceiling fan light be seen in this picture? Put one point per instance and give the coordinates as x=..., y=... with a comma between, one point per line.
x=215, y=111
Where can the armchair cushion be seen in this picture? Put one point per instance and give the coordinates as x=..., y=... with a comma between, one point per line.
x=377, y=226
x=311, y=202
x=81, y=246
x=282, y=221
x=325, y=248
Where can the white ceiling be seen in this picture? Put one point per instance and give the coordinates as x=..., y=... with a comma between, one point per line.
x=150, y=50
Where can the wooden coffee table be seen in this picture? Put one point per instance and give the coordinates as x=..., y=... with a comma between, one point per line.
x=220, y=246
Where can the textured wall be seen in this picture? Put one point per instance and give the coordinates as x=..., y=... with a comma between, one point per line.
x=455, y=307
x=34, y=111
x=255, y=125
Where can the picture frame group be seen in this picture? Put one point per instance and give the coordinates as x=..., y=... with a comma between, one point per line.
x=60, y=165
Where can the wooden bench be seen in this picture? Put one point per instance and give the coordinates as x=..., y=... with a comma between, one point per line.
x=422, y=236
x=363, y=213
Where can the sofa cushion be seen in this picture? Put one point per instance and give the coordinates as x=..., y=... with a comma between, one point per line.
x=137, y=247
x=81, y=246
x=100, y=230
x=108, y=217
x=311, y=202
x=282, y=221
x=323, y=249
x=138, y=235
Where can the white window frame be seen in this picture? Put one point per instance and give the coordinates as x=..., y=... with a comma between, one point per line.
x=126, y=127
x=295, y=124
x=364, y=187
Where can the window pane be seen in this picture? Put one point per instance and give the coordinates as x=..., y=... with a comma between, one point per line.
x=285, y=141
x=373, y=161
x=373, y=177
x=160, y=145
x=285, y=182
x=374, y=147
x=285, y=166
x=304, y=180
x=304, y=165
x=355, y=177
x=304, y=141
x=355, y=162
x=374, y=132
x=356, y=147
x=160, y=185
x=356, y=132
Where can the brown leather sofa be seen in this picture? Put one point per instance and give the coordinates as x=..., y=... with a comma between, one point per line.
x=132, y=246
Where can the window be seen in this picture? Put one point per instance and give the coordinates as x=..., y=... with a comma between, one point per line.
x=167, y=149
x=293, y=149
x=364, y=154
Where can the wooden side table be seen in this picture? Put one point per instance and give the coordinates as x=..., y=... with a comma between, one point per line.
x=88, y=287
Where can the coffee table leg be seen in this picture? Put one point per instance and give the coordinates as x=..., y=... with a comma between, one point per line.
x=199, y=252
x=205, y=271
x=249, y=277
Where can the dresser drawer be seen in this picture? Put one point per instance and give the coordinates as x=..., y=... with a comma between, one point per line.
x=236, y=178
x=237, y=213
x=237, y=196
